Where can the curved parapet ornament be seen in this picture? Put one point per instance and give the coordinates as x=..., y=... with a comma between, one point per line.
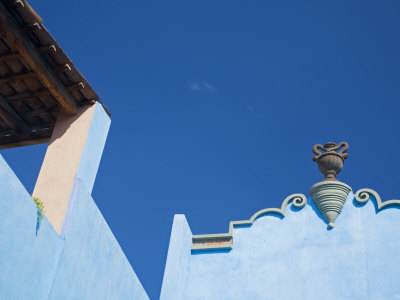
x=363, y=195
x=224, y=240
x=298, y=200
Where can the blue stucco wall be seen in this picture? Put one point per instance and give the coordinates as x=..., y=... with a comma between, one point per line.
x=94, y=145
x=93, y=265
x=295, y=257
x=27, y=262
x=87, y=264
x=177, y=267
x=85, y=261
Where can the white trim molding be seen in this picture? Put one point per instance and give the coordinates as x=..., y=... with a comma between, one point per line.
x=224, y=241
x=363, y=195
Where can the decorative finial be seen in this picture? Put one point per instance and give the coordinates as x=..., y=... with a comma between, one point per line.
x=330, y=195
x=331, y=162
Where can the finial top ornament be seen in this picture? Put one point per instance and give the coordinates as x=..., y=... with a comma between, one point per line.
x=330, y=163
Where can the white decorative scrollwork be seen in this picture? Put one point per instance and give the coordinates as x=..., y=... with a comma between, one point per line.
x=363, y=195
x=220, y=239
x=299, y=201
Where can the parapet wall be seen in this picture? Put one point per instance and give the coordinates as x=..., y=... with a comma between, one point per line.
x=293, y=255
x=87, y=264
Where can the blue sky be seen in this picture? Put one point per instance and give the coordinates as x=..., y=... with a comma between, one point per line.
x=216, y=105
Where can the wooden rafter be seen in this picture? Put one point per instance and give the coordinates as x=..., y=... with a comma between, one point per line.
x=38, y=112
x=29, y=95
x=62, y=68
x=32, y=56
x=37, y=79
x=10, y=56
x=47, y=49
x=76, y=86
x=17, y=77
x=34, y=138
x=12, y=118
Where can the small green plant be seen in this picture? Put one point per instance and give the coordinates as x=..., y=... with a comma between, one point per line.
x=39, y=203
x=40, y=211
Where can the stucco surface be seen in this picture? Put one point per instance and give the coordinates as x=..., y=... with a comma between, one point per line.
x=91, y=155
x=93, y=265
x=297, y=257
x=85, y=261
x=27, y=262
x=61, y=163
x=177, y=266
x=87, y=264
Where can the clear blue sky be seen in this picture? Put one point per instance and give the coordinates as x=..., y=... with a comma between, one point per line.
x=216, y=105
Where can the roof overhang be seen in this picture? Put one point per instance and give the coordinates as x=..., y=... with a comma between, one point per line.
x=37, y=79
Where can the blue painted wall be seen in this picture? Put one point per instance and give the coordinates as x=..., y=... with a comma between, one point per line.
x=177, y=267
x=87, y=264
x=294, y=257
x=28, y=262
x=93, y=265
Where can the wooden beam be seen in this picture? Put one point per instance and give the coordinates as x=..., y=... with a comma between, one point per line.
x=47, y=49
x=11, y=117
x=9, y=56
x=17, y=3
x=38, y=112
x=33, y=13
x=76, y=86
x=13, y=143
x=18, y=40
x=32, y=27
x=62, y=68
x=8, y=119
x=29, y=95
x=35, y=129
x=17, y=77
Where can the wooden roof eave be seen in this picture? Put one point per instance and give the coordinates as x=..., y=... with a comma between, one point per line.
x=34, y=59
